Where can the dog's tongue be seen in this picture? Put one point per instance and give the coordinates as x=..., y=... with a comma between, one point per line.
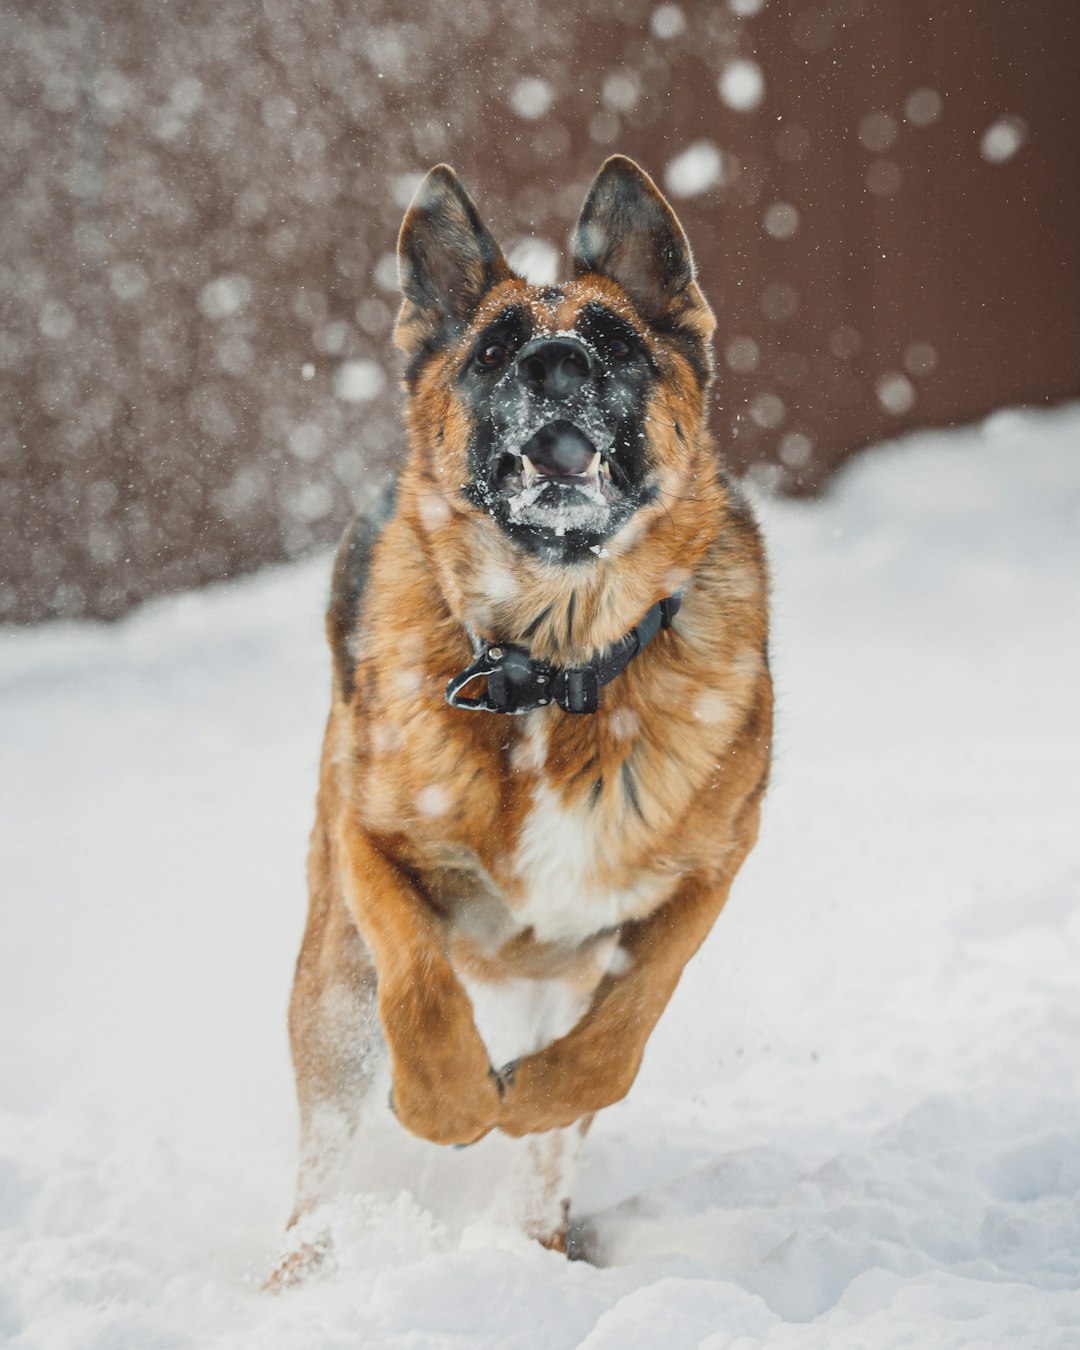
x=559, y=450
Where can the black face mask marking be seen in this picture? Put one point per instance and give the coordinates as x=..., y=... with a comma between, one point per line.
x=559, y=454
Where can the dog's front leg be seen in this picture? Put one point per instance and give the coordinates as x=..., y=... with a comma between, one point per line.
x=444, y=1087
x=596, y=1063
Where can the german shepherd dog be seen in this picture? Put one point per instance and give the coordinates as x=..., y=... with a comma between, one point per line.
x=551, y=720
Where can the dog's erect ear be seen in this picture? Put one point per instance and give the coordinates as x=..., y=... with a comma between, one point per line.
x=447, y=261
x=628, y=232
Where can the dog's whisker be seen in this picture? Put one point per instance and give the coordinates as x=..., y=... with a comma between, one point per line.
x=674, y=496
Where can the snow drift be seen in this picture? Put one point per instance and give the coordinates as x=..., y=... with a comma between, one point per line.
x=857, y=1125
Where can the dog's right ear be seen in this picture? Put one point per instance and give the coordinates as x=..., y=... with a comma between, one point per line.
x=447, y=262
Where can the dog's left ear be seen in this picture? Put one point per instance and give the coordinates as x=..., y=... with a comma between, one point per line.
x=628, y=232
x=447, y=261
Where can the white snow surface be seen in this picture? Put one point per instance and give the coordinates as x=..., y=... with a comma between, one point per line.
x=857, y=1124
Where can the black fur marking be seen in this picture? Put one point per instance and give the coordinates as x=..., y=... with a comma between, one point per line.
x=571, y=609
x=437, y=338
x=689, y=344
x=349, y=582
x=583, y=769
x=544, y=614
x=630, y=788
x=511, y=328
x=603, y=326
x=616, y=392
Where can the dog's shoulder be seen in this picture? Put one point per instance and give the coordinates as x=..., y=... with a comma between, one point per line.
x=733, y=573
x=741, y=519
x=348, y=585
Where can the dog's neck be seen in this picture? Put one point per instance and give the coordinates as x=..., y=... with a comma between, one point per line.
x=565, y=613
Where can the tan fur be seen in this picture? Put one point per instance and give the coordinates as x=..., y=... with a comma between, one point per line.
x=415, y=871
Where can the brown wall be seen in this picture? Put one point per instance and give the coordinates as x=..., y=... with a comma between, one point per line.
x=198, y=201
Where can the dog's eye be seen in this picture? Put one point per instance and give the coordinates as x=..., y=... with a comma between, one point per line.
x=619, y=350
x=494, y=354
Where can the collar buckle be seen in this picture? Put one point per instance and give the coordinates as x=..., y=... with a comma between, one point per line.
x=515, y=682
x=518, y=684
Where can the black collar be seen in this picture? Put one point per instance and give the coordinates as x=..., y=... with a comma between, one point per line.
x=516, y=683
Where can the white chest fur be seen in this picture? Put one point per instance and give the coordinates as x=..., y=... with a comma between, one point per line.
x=563, y=900
x=557, y=863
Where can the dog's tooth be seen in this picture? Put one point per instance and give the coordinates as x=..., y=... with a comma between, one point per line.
x=529, y=467
x=594, y=464
x=605, y=468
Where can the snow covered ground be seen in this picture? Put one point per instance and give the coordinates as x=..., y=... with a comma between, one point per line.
x=858, y=1124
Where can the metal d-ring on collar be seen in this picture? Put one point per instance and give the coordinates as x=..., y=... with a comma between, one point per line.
x=516, y=683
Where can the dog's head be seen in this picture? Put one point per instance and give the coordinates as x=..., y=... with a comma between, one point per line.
x=564, y=413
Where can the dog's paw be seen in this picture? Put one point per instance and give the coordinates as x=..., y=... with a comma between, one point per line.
x=500, y=1088
x=449, y=1124
x=528, y=1104
x=304, y=1260
x=558, y=1086
x=448, y=1108
x=444, y=1088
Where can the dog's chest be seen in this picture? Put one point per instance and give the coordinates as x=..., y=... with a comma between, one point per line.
x=562, y=899
x=558, y=865
x=569, y=883
x=562, y=889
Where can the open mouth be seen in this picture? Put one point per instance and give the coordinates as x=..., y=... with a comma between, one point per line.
x=562, y=487
x=557, y=458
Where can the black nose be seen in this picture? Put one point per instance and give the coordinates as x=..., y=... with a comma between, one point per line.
x=554, y=366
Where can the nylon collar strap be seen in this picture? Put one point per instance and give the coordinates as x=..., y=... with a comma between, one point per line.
x=516, y=683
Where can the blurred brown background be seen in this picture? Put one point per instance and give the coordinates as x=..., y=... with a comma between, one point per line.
x=199, y=202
